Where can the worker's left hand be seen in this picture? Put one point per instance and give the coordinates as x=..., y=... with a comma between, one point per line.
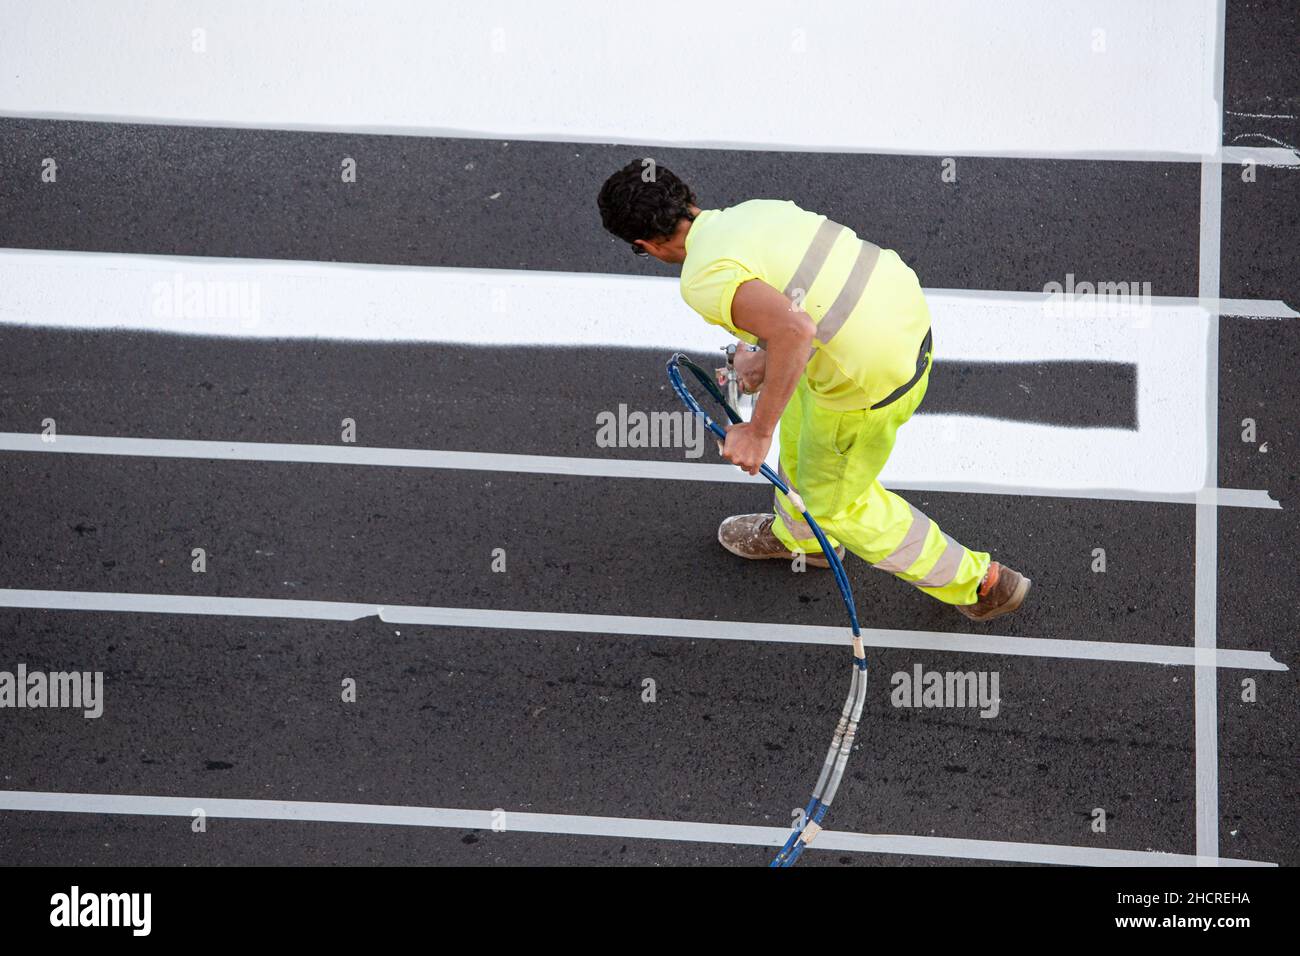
x=746, y=447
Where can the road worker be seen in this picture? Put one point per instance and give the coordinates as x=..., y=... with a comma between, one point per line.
x=836, y=330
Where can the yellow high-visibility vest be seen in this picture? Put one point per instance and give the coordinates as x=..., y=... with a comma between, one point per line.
x=870, y=313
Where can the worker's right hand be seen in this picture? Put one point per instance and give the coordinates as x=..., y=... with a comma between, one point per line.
x=746, y=446
x=751, y=367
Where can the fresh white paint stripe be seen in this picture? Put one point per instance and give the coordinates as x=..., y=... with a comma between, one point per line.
x=1109, y=77
x=492, y=619
x=1244, y=308
x=549, y=465
x=301, y=811
x=399, y=303
x=278, y=299
x=1206, y=600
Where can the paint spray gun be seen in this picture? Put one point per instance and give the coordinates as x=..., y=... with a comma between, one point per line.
x=729, y=379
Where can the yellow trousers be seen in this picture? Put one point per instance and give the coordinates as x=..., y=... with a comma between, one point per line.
x=833, y=459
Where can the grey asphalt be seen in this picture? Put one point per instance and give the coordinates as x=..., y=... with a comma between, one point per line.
x=554, y=722
x=278, y=195
x=396, y=393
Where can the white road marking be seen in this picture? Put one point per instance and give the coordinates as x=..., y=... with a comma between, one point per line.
x=552, y=465
x=1244, y=308
x=607, y=624
x=1206, y=600
x=276, y=299
x=377, y=302
x=594, y=826
x=1260, y=155
x=1105, y=79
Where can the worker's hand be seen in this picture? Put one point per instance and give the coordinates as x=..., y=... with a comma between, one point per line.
x=751, y=367
x=746, y=447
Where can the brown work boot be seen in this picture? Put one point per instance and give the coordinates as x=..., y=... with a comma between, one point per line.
x=751, y=536
x=1001, y=592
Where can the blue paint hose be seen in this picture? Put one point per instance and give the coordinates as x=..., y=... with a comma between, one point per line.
x=828, y=781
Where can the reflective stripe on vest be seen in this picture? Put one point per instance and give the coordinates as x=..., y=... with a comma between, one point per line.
x=847, y=300
x=814, y=258
x=810, y=266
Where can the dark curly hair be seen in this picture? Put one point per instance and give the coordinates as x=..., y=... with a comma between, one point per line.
x=632, y=208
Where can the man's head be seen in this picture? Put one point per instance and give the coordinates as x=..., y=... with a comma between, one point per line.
x=646, y=205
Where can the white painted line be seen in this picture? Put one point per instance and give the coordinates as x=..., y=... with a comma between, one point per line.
x=1260, y=155
x=1244, y=308
x=378, y=302
x=41, y=287
x=1206, y=600
x=277, y=299
x=1223, y=497
x=549, y=465
x=381, y=457
x=1106, y=78
x=300, y=811
x=607, y=624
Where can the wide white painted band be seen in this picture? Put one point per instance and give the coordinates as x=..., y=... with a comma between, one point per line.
x=1166, y=339
x=1116, y=78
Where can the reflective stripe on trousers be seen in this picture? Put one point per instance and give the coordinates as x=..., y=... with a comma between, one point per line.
x=833, y=459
